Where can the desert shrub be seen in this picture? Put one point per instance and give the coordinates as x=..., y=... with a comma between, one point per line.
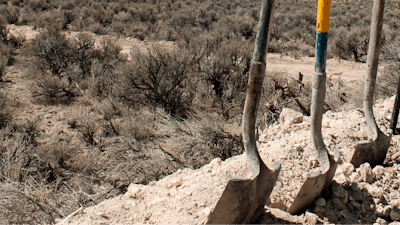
x=200, y=138
x=52, y=90
x=5, y=56
x=71, y=62
x=350, y=44
x=5, y=110
x=388, y=81
x=139, y=124
x=84, y=46
x=103, y=78
x=159, y=77
x=53, y=51
x=51, y=19
x=11, y=13
x=225, y=66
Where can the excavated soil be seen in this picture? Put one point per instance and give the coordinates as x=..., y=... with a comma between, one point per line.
x=357, y=195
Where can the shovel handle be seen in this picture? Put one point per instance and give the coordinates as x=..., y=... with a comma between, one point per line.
x=395, y=113
x=256, y=78
x=319, y=82
x=264, y=25
x=372, y=66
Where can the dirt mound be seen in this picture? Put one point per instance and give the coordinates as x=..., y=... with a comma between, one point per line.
x=358, y=195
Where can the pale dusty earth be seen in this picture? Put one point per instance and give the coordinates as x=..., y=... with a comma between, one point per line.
x=358, y=195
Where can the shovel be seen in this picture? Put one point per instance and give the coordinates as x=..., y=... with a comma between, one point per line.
x=318, y=181
x=243, y=201
x=396, y=107
x=373, y=152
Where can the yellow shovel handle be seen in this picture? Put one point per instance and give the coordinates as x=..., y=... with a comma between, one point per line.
x=324, y=9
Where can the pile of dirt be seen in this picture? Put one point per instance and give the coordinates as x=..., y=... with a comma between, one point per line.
x=358, y=195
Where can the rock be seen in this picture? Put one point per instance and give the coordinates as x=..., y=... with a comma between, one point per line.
x=379, y=172
x=280, y=214
x=338, y=191
x=377, y=200
x=355, y=177
x=395, y=203
x=205, y=212
x=356, y=205
x=358, y=196
x=395, y=214
x=320, y=202
x=338, y=204
x=381, y=221
x=366, y=173
x=345, y=199
x=341, y=178
x=133, y=190
x=345, y=214
x=332, y=217
x=364, y=209
x=395, y=155
x=319, y=210
x=290, y=116
x=386, y=211
x=347, y=168
x=311, y=218
x=376, y=192
x=174, y=183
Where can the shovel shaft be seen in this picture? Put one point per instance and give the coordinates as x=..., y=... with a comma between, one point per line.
x=395, y=114
x=319, y=82
x=256, y=78
x=372, y=66
x=262, y=38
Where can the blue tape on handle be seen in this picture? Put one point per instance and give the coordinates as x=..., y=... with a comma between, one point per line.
x=321, y=48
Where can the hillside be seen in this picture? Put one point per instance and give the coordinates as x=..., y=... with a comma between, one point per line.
x=358, y=195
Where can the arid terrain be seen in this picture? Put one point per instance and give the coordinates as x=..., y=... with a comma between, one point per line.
x=188, y=196
x=131, y=111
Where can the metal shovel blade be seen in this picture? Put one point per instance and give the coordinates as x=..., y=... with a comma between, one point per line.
x=373, y=152
x=243, y=200
x=241, y=197
x=313, y=186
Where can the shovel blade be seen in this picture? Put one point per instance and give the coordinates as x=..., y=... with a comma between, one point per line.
x=313, y=186
x=372, y=152
x=243, y=200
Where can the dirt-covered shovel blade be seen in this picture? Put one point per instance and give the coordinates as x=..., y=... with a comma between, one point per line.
x=243, y=201
x=373, y=152
x=316, y=182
